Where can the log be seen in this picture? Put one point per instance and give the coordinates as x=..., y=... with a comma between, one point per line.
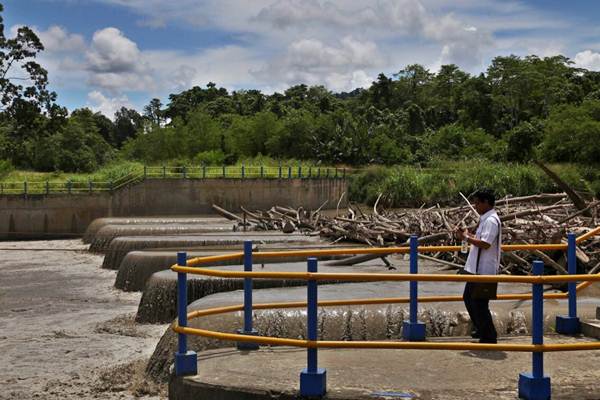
x=575, y=198
x=226, y=214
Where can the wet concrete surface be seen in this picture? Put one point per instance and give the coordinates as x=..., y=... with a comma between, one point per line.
x=386, y=374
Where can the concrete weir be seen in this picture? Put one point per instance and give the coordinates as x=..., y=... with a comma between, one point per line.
x=138, y=266
x=120, y=246
x=159, y=300
x=100, y=223
x=377, y=322
x=102, y=239
x=366, y=374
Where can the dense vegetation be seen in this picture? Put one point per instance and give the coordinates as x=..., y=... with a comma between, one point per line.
x=519, y=109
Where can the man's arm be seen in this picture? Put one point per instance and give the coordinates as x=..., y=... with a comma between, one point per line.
x=488, y=234
x=471, y=239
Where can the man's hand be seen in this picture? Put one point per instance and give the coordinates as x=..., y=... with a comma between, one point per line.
x=461, y=233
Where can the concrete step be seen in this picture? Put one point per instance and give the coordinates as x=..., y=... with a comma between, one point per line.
x=591, y=328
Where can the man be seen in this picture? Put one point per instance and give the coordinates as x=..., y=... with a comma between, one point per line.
x=483, y=259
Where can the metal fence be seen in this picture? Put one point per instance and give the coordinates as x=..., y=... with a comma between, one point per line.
x=170, y=172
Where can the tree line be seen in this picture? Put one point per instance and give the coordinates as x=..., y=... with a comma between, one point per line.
x=518, y=109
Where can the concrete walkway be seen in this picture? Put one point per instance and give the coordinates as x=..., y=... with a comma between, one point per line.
x=273, y=373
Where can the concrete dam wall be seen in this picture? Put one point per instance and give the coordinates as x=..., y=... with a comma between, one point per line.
x=64, y=215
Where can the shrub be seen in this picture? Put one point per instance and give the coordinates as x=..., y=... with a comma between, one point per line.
x=211, y=157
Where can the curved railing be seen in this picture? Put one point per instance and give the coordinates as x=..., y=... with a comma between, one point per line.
x=312, y=380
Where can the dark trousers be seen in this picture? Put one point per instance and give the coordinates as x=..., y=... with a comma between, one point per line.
x=479, y=311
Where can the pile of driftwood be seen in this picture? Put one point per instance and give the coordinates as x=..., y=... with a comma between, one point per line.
x=543, y=218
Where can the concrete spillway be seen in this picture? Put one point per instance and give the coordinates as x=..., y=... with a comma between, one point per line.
x=100, y=223
x=138, y=266
x=102, y=239
x=357, y=322
x=120, y=246
x=159, y=300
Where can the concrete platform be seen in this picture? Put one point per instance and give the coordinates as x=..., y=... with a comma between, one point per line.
x=273, y=373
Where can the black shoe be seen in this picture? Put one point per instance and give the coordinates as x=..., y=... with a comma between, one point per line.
x=475, y=335
x=488, y=341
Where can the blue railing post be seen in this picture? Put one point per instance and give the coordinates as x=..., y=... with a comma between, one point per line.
x=534, y=385
x=570, y=324
x=313, y=380
x=186, y=362
x=247, y=330
x=243, y=171
x=414, y=330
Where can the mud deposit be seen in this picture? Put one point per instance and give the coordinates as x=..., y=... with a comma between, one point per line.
x=65, y=332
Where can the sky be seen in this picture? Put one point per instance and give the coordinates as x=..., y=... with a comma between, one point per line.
x=104, y=54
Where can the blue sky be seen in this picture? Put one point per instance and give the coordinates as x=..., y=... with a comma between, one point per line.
x=104, y=54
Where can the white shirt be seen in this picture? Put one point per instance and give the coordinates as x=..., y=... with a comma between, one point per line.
x=489, y=230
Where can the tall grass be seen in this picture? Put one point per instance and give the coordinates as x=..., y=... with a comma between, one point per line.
x=413, y=186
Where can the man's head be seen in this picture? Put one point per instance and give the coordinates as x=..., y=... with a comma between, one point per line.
x=484, y=200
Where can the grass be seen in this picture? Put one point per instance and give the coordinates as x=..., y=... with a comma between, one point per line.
x=441, y=183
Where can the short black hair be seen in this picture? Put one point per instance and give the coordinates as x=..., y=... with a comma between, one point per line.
x=486, y=195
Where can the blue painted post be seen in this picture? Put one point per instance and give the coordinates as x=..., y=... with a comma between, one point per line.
x=247, y=330
x=186, y=362
x=534, y=385
x=243, y=171
x=313, y=380
x=414, y=330
x=570, y=324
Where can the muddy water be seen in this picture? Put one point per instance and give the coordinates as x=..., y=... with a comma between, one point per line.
x=65, y=333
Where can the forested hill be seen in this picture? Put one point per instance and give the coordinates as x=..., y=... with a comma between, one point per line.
x=520, y=108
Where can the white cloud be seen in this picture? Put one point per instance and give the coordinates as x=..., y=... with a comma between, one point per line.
x=588, y=59
x=108, y=106
x=56, y=39
x=310, y=61
x=116, y=64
